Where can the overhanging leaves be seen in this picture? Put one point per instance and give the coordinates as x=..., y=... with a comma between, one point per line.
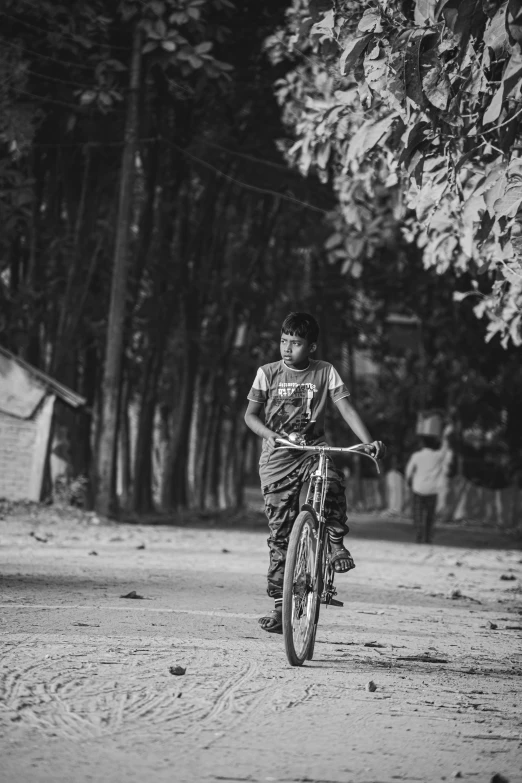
x=487, y=223
x=492, y=113
x=464, y=17
x=412, y=75
x=353, y=52
x=495, y=34
x=318, y=8
x=368, y=136
x=415, y=136
x=325, y=25
x=437, y=88
x=370, y=22
x=514, y=21
x=454, y=77
x=508, y=205
x=425, y=11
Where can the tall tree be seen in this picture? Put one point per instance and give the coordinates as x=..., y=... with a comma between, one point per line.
x=111, y=386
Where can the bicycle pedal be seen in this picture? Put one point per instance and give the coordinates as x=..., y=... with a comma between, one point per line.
x=332, y=602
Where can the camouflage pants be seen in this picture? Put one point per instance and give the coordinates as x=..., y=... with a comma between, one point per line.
x=282, y=508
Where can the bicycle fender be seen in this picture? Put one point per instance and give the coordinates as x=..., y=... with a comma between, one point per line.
x=312, y=511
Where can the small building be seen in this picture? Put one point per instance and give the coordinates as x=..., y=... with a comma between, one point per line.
x=27, y=403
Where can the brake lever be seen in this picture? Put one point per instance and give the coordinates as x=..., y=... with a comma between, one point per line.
x=370, y=456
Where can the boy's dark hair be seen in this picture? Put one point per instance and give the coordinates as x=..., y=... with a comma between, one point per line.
x=430, y=442
x=301, y=325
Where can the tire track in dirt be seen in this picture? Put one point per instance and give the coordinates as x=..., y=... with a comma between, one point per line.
x=288, y=697
x=78, y=701
x=80, y=715
x=237, y=696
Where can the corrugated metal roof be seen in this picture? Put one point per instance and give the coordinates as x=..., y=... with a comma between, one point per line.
x=65, y=394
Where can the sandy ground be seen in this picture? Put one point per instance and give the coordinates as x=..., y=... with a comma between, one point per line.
x=86, y=693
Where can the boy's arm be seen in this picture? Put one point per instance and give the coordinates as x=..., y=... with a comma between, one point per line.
x=353, y=419
x=253, y=421
x=357, y=425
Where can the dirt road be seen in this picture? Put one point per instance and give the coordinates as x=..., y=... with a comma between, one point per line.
x=86, y=692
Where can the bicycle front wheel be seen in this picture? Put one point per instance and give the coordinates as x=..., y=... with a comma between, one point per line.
x=300, y=595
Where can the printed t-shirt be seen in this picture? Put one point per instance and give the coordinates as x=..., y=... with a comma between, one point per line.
x=294, y=401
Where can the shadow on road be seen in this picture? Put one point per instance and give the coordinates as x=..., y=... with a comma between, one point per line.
x=376, y=527
x=381, y=528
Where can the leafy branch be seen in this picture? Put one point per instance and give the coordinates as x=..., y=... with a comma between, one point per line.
x=431, y=83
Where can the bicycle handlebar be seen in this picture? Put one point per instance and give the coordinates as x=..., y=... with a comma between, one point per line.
x=357, y=449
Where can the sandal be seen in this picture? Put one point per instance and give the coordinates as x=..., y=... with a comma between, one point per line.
x=275, y=617
x=339, y=552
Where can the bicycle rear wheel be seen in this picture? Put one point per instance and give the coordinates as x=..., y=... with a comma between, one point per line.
x=300, y=599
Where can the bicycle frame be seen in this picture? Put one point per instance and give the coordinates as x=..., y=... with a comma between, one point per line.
x=315, y=499
x=315, y=502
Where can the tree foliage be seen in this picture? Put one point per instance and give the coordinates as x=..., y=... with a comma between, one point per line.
x=418, y=103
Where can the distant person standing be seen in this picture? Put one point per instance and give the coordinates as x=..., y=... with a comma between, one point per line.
x=395, y=489
x=426, y=472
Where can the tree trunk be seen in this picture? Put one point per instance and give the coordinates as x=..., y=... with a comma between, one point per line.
x=142, y=484
x=223, y=487
x=105, y=478
x=193, y=453
x=212, y=459
x=69, y=301
x=175, y=485
x=239, y=472
x=231, y=465
x=210, y=410
x=125, y=448
x=178, y=488
x=88, y=389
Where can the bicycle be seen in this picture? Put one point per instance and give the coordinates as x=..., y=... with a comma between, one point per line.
x=309, y=576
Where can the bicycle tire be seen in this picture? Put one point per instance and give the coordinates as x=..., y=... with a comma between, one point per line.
x=300, y=599
x=320, y=588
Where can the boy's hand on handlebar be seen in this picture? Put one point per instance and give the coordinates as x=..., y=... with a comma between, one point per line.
x=377, y=449
x=272, y=442
x=293, y=437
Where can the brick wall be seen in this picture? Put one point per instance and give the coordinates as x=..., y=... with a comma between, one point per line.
x=17, y=440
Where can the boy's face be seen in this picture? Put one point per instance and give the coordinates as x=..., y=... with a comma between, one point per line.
x=295, y=351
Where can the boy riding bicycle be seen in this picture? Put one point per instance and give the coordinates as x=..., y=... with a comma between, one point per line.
x=293, y=393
